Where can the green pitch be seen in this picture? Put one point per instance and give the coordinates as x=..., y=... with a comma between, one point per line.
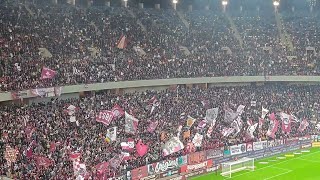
x=304, y=166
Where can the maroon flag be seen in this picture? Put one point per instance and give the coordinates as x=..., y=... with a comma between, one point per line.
x=74, y=156
x=47, y=73
x=273, y=126
x=117, y=111
x=43, y=161
x=28, y=151
x=152, y=126
x=53, y=146
x=105, y=117
x=303, y=125
x=101, y=168
x=122, y=42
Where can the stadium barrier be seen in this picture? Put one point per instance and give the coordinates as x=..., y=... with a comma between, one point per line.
x=197, y=163
x=49, y=92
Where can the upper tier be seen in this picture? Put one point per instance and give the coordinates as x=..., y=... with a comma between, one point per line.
x=168, y=49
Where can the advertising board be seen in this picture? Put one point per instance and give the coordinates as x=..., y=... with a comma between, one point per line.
x=238, y=149
x=196, y=167
x=197, y=157
x=214, y=153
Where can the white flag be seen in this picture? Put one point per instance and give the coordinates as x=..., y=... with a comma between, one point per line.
x=197, y=140
x=211, y=116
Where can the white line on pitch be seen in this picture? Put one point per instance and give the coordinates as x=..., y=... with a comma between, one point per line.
x=275, y=164
x=278, y=175
x=308, y=160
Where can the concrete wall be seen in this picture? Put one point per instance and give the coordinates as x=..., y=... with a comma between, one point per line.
x=129, y=86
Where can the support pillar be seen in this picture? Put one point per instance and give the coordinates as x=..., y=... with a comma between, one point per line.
x=141, y=5
x=190, y=7
x=157, y=6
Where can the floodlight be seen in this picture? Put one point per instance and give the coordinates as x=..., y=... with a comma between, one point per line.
x=174, y=1
x=276, y=3
x=224, y=2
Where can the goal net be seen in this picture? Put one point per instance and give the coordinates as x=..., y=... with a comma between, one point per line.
x=228, y=168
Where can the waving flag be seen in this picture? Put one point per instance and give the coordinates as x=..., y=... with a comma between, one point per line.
x=264, y=112
x=237, y=125
x=273, y=126
x=303, y=125
x=122, y=43
x=210, y=129
x=286, y=122
x=128, y=145
x=202, y=124
x=10, y=155
x=172, y=146
x=211, y=116
x=111, y=134
x=229, y=115
x=251, y=129
x=190, y=121
x=117, y=111
x=152, y=126
x=227, y=131
x=101, y=168
x=240, y=109
x=131, y=124
x=197, y=140
x=43, y=161
x=105, y=117
x=71, y=109
x=74, y=156
x=47, y=73
x=116, y=161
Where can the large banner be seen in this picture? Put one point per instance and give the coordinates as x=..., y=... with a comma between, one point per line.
x=172, y=146
x=131, y=124
x=46, y=92
x=238, y=149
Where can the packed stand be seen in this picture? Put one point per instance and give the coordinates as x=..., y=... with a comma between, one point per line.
x=87, y=45
x=47, y=129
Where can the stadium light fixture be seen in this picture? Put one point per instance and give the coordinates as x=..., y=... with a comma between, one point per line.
x=276, y=3
x=174, y=1
x=224, y=2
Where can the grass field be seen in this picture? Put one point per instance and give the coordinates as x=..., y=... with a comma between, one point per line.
x=304, y=166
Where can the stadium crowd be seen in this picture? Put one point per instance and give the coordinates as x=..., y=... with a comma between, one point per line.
x=83, y=45
x=51, y=124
